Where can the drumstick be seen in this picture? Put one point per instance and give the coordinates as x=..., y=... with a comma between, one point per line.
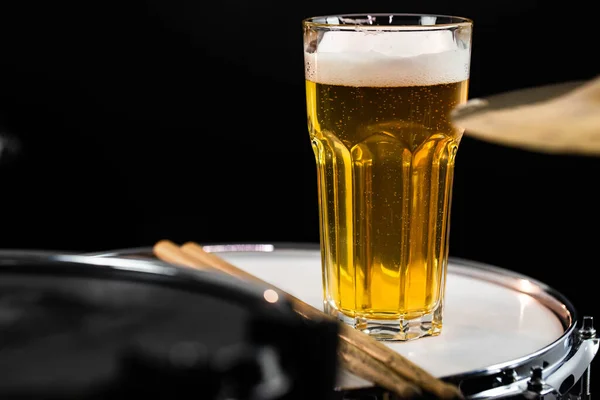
x=367, y=353
x=374, y=348
x=352, y=358
x=566, y=124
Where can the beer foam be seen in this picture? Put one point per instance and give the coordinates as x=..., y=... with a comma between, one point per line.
x=403, y=58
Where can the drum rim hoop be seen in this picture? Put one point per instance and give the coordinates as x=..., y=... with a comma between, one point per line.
x=178, y=277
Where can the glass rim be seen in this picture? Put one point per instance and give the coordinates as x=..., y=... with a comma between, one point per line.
x=327, y=21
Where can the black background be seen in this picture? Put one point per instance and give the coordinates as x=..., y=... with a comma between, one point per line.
x=139, y=121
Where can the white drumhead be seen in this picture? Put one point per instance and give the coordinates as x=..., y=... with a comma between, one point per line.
x=485, y=323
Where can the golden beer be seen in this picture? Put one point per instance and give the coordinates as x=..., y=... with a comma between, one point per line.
x=385, y=150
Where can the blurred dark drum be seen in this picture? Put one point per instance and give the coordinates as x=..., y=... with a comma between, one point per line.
x=79, y=327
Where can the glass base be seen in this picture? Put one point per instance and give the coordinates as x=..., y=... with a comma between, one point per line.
x=392, y=329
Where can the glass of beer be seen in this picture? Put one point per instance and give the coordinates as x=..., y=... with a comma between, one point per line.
x=379, y=91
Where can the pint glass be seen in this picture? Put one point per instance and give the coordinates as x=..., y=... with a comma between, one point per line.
x=379, y=92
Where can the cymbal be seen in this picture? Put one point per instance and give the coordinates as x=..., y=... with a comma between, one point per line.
x=562, y=118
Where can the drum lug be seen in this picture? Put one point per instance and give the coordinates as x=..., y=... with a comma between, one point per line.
x=586, y=332
x=536, y=386
x=536, y=382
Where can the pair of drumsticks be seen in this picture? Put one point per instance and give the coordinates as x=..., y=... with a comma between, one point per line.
x=358, y=353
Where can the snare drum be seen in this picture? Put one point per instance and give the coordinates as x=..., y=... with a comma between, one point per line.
x=504, y=335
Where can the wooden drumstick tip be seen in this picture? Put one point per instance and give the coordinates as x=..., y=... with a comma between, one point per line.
x=170, y=252
x=166, y=243
x=164, y=248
